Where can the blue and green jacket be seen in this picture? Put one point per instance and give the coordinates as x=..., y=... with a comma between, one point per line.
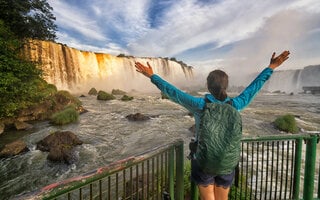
x=196, y=104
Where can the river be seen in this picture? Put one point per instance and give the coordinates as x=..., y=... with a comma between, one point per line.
x=108, y=136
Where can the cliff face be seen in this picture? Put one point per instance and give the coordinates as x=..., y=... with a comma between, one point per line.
x=77, y=71
x=294, y=80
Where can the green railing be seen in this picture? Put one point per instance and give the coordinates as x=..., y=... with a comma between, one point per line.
x=155, y=174
x=272, y=167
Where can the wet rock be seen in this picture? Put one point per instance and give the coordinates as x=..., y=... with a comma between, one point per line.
x=60, y=146
x=93, y=92
x=19, y=125
x=137, y=117
x=118, y=92
x=81, y=110
x=13, y=149
x=126, y=98
x=102, y=95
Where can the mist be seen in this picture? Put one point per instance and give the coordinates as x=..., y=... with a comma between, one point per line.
x=283, y=31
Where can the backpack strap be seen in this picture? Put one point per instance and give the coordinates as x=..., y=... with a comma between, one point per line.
x=230, y=101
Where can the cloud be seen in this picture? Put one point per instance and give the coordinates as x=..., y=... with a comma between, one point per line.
x=190, y=24
x=228, y=34
x=73, y=19
x=291, y=30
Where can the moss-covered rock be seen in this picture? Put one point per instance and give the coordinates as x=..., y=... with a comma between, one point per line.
x=286, y=123
x=93, y=92
x=126, y=98
x=102, y=95
x=118, y=92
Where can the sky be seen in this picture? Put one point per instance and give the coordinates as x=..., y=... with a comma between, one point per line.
x=235, y=35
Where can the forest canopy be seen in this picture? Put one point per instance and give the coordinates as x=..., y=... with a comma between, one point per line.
x=21, y=83
x=29, y=18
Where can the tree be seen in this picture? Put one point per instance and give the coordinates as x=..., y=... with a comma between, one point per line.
x=29, y=18
x=20, y=80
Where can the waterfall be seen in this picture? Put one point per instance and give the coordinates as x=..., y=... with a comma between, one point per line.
x=293, y=80
x=78, y=71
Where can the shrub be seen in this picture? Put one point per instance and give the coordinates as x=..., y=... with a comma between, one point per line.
x=66, y=116
x=286, y=123
x=105, y=96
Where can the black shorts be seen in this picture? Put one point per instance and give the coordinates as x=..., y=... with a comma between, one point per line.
x=203, y=179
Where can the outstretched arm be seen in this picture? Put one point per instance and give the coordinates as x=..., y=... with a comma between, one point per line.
x=244, y=99
x=277, y=61
x=186, y=100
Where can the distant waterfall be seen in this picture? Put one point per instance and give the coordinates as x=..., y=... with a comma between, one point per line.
x=293, y=80
x=78, y=71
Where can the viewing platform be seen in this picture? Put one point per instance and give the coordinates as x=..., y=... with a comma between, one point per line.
x=312, y=89
x=271, y=167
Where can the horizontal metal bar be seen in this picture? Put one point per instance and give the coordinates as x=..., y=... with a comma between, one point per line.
x=277, y=137
x=57, y=189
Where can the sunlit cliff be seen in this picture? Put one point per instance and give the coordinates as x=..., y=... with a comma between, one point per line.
x=77, y=71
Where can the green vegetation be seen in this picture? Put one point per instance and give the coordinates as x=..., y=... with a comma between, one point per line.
x=102, y=95
x=186, y=178
x=66, y=116
x=21, y=83
x=29, y=18
x=286, y=123
x=242, y=191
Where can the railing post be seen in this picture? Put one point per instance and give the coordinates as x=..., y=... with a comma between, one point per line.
x=179, y=171
x=310, y=162
x=318, y=196
x=297, y=169
x=194, y=191
x=171, y=173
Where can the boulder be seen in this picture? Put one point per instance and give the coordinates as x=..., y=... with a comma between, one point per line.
x=14, y=148
x=126, y=98
x=137, y=117
x=102, y=95
x=93, y=92
x=20, y=125
x=60, y=146
x=118, y=92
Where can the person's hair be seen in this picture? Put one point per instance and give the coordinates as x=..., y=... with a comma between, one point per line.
x=217, y=83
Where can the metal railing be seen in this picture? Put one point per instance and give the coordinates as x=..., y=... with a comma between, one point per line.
x=155, y=174
x=273, y=167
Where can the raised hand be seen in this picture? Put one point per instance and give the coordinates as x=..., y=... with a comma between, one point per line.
x=147, y=71
x=277, y=61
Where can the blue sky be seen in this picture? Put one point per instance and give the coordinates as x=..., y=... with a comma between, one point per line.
x=236, y=35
